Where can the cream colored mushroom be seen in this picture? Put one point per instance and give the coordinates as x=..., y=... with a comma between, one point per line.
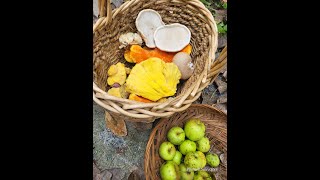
x=184, y=62
x=129, y=38
x=147, y=22
x=172, y=37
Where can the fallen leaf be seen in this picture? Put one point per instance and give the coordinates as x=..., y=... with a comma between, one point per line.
x=116, y=125
x=222, y=86
x=225, y=75
x=223, y=159
x=218, y=80
x=221, y=107
x=209, y=94
x=223, y=69
x=96, y=171
x=215, y=151
x=117, y=173
x=106, y=175
x=219, y=15
x=222, y=40
x=98, y=175
x=222, y=98
x=134, y=176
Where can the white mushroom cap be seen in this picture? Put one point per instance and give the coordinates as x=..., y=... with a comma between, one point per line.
x=147, y=22
x=172, y=38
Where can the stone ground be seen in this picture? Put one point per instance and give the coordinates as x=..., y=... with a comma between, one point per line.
x=111, y=152
x=118, y=157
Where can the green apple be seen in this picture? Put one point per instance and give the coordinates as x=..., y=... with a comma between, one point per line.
x=194, y=129
x=187, y=146
x=185, y=174
x=203, y=145
x=202, y=175
x=177, y=157
x=213, y=159
x=176, y=135
x=167, y=151
x=169, y=171
x=195, y=160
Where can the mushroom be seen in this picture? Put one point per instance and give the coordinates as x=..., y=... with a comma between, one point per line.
x=172, y=38
x=118, y=92
x=129, y=38
x=147, y=22
x=184, y=63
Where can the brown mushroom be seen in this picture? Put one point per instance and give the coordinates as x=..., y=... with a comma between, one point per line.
x=184, y=63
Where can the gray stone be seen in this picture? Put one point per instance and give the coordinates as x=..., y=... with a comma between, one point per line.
x=112, y=152
x=95, y=8
x=117, y=3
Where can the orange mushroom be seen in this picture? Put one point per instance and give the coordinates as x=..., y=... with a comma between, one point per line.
x=139, y=98
x=137, y=54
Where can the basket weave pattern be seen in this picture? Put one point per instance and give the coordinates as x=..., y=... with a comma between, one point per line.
x=106, y=33
x=216, y=131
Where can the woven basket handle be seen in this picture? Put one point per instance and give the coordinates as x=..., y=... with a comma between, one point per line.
x=104, y=7
x=218, y=64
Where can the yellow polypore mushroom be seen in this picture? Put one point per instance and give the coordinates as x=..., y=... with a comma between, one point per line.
x=128, y=70
x=118, y=92
x=153, y=79
x=117, y=74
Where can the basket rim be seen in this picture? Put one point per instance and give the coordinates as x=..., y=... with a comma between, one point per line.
x=134, y=109
x=162, y=121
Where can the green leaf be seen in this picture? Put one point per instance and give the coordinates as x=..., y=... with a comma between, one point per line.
x=205, y=2
x=219, y=4
x=220, y=27
x=225, y=5
x=225, y=27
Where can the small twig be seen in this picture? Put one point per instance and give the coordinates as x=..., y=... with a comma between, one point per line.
x=213, y=93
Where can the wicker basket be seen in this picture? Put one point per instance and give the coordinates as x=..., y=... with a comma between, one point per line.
x=216, y=131
x=107, y=31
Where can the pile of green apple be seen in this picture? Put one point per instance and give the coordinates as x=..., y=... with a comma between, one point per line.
x=186, y=161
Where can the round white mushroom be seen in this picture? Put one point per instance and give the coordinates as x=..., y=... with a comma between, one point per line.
x=184, y=62
x=172, y=38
